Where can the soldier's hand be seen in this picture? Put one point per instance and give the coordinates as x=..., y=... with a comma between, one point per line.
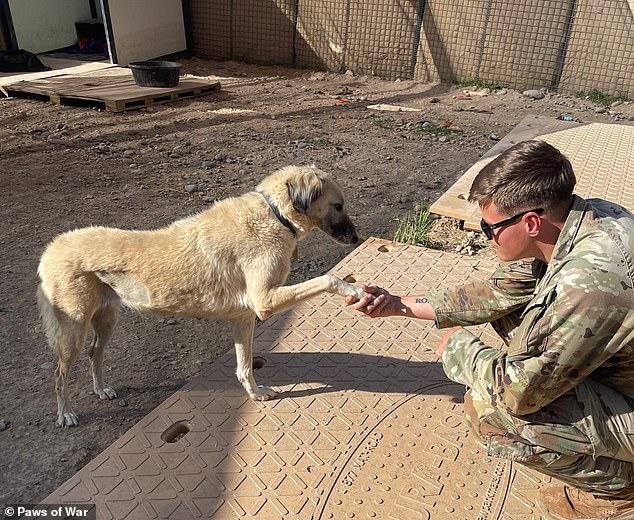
x=378, y=303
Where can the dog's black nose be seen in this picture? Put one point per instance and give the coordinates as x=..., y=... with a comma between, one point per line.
x=354, y=239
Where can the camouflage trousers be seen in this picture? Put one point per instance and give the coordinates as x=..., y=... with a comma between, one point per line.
x=585, y=438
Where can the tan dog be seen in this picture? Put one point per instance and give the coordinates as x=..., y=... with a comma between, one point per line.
x=228, y=262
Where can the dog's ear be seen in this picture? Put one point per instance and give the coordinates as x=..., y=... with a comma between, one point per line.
x=303, y=190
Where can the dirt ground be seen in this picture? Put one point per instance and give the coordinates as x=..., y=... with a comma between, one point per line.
x=65, y=167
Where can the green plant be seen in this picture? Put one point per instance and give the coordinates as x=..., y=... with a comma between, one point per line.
x=492, y=85
x=430, y=127
x=321, y=141
x=598, y=97
x=382, y=122
x=414, y=229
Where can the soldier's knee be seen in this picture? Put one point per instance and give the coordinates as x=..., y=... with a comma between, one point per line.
x=480, y=428
x=471, y=416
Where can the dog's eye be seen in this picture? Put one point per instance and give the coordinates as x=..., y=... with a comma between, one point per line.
x=338, y=207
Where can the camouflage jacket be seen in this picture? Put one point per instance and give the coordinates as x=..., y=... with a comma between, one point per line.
x=574, y=317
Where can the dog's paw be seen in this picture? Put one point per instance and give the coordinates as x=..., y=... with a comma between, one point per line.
x=67, y=419
x=106, y=392
x=343, y=288
x=264, y=393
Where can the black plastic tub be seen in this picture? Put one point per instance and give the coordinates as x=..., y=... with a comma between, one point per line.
x=155, y=73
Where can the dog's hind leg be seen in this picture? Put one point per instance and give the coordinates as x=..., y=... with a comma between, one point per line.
x=69, y=343
x=103, y=324
x=66, y=337
x=243, y=329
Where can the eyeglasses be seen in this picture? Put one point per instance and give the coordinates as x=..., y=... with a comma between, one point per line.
x=487, y=229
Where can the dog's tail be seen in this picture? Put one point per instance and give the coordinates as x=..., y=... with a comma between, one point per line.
x=49, y=320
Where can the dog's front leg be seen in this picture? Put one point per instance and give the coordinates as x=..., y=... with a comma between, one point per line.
x=243, y=337
x=278, y=299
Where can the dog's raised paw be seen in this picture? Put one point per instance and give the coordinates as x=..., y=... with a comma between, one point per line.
x=354, y=291
x=264, y=393
x=343, y=288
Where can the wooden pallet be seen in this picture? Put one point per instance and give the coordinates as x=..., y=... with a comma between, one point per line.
x=59, y=67
x=112, y=93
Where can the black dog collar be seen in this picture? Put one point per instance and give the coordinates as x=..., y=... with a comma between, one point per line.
x=277, y=213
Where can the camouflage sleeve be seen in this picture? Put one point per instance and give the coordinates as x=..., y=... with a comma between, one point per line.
x=568, y=331
x=510, y=287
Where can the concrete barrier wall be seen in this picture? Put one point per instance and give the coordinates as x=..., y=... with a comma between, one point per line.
x=564, y=45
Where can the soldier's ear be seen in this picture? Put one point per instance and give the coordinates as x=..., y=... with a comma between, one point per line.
x=533, y=223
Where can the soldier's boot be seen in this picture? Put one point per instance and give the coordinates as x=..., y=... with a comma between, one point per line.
x=569, y=503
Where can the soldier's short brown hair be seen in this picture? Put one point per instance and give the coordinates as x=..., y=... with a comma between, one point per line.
x=530, y=174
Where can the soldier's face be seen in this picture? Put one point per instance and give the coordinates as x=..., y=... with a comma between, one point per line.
x=511, y=241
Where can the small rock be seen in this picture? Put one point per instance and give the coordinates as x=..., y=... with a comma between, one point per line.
x=208, y=164
x=600, y=110
x=317, y=76
x=172, y=321
x=534, y=94
x=48, y=365
x=122, y=402
x=494, y=137
x=128, y=153
x=3, y=425
x=191, y=188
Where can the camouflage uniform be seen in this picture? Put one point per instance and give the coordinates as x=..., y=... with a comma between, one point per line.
x=560, y=397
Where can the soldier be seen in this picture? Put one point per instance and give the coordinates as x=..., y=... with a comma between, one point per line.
x=560, y=397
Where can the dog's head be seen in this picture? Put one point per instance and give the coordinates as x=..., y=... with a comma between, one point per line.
x=309, y=198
